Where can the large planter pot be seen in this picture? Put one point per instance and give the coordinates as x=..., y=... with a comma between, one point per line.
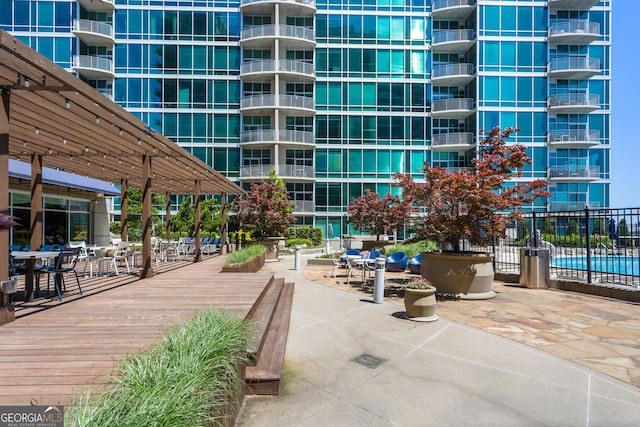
x=420, y=304
x=273, y=245
x=468, y=275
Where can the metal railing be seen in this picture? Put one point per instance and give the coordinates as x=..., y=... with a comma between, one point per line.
x=453, y=104
x=454, y=138
x=596, y=246
x=443, y=4
x=452, y=70
x=90, y=26
x=292, y=31
x=283, y=171
x=269, y=135
x=574, y=63
x=574, y=98
x=448, y=36
x=273, y=101
x=574, y=26
x=310, y=3
x=574, y=171
x=93, y=62
x=574, y=135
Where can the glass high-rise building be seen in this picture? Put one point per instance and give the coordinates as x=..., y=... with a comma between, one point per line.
x=339, y=95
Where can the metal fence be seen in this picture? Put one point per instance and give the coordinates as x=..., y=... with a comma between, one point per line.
x=597, y=246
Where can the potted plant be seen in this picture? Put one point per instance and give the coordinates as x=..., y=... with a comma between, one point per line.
x=420, y=300
x=266, y=212
x=469, y=206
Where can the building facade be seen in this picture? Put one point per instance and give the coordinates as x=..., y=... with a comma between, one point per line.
x=337, y=96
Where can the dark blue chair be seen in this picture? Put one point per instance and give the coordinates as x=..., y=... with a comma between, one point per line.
x=65, y=263
x=349, y=252
x=396, y=262
x=415, y=263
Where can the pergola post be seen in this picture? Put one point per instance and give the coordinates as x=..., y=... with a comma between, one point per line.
x=36, y=202
x=167, y=202
x=7, y=313
x=223, y=222
x=146, y=270
x=124, y=205
x=197, y=257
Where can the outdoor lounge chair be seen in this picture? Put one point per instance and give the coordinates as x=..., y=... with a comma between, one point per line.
x=397, y=262
x=415, y=263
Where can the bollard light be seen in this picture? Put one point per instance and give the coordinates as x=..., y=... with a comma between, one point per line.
x=378, y=284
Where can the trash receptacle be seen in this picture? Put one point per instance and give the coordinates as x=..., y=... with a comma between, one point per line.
x=534, y=268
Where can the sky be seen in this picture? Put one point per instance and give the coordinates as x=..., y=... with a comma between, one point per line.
x=625, y=104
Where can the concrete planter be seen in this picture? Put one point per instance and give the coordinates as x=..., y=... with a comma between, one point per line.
x=468, y=275
x=251, y=266
x=420, y=304
x=274, y=245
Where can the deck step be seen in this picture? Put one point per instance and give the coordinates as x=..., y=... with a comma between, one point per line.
x=261, y=314
x=264, y=377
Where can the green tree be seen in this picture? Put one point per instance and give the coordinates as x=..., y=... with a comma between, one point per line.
x=134, y=212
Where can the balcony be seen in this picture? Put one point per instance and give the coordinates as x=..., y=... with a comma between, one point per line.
x=574, y=173
x=453, y=41
x=574, y=31
x=452, y=74
x=93, y=67
x=452, y=10
x=284, y=171
x=93, y=33
x=456, y=108
x=295, y=104
x=98, y=5
x=572, y=4
x=573, y=138
x=288, y=7
x=573, y=67
x=262, y=36
x=575, y=102
x=455, y=141
x=271, y=136
x=572, y=206
x=303, y=206
x=263, y=70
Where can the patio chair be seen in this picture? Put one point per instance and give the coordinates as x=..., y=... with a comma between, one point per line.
x=337, y=263
x=415, y=263
x=59, y=269
x=396, y=262
x=121, y=254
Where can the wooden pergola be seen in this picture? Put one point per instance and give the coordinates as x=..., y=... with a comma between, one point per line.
x=50, y=118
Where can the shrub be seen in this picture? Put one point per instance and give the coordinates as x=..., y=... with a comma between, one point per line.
x=314, y=234
x=245, y=254
x=186, y=380
x=411, y=249
x=296, y=242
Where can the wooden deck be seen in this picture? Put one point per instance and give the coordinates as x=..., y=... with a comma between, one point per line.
x=55, y=349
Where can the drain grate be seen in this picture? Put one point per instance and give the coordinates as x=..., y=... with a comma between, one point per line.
x=368, y=360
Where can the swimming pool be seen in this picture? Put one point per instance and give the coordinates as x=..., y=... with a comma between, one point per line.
x=604, y=264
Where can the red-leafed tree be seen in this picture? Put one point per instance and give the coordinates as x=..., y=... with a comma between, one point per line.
x=472, y=204
x=370, y=213
x=266, y=210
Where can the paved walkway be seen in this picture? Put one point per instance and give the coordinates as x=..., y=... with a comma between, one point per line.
x=462, y=369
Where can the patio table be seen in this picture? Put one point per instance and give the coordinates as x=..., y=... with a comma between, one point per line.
x=30, y=258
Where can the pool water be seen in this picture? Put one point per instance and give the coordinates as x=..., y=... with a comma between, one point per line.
x=604, y=264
